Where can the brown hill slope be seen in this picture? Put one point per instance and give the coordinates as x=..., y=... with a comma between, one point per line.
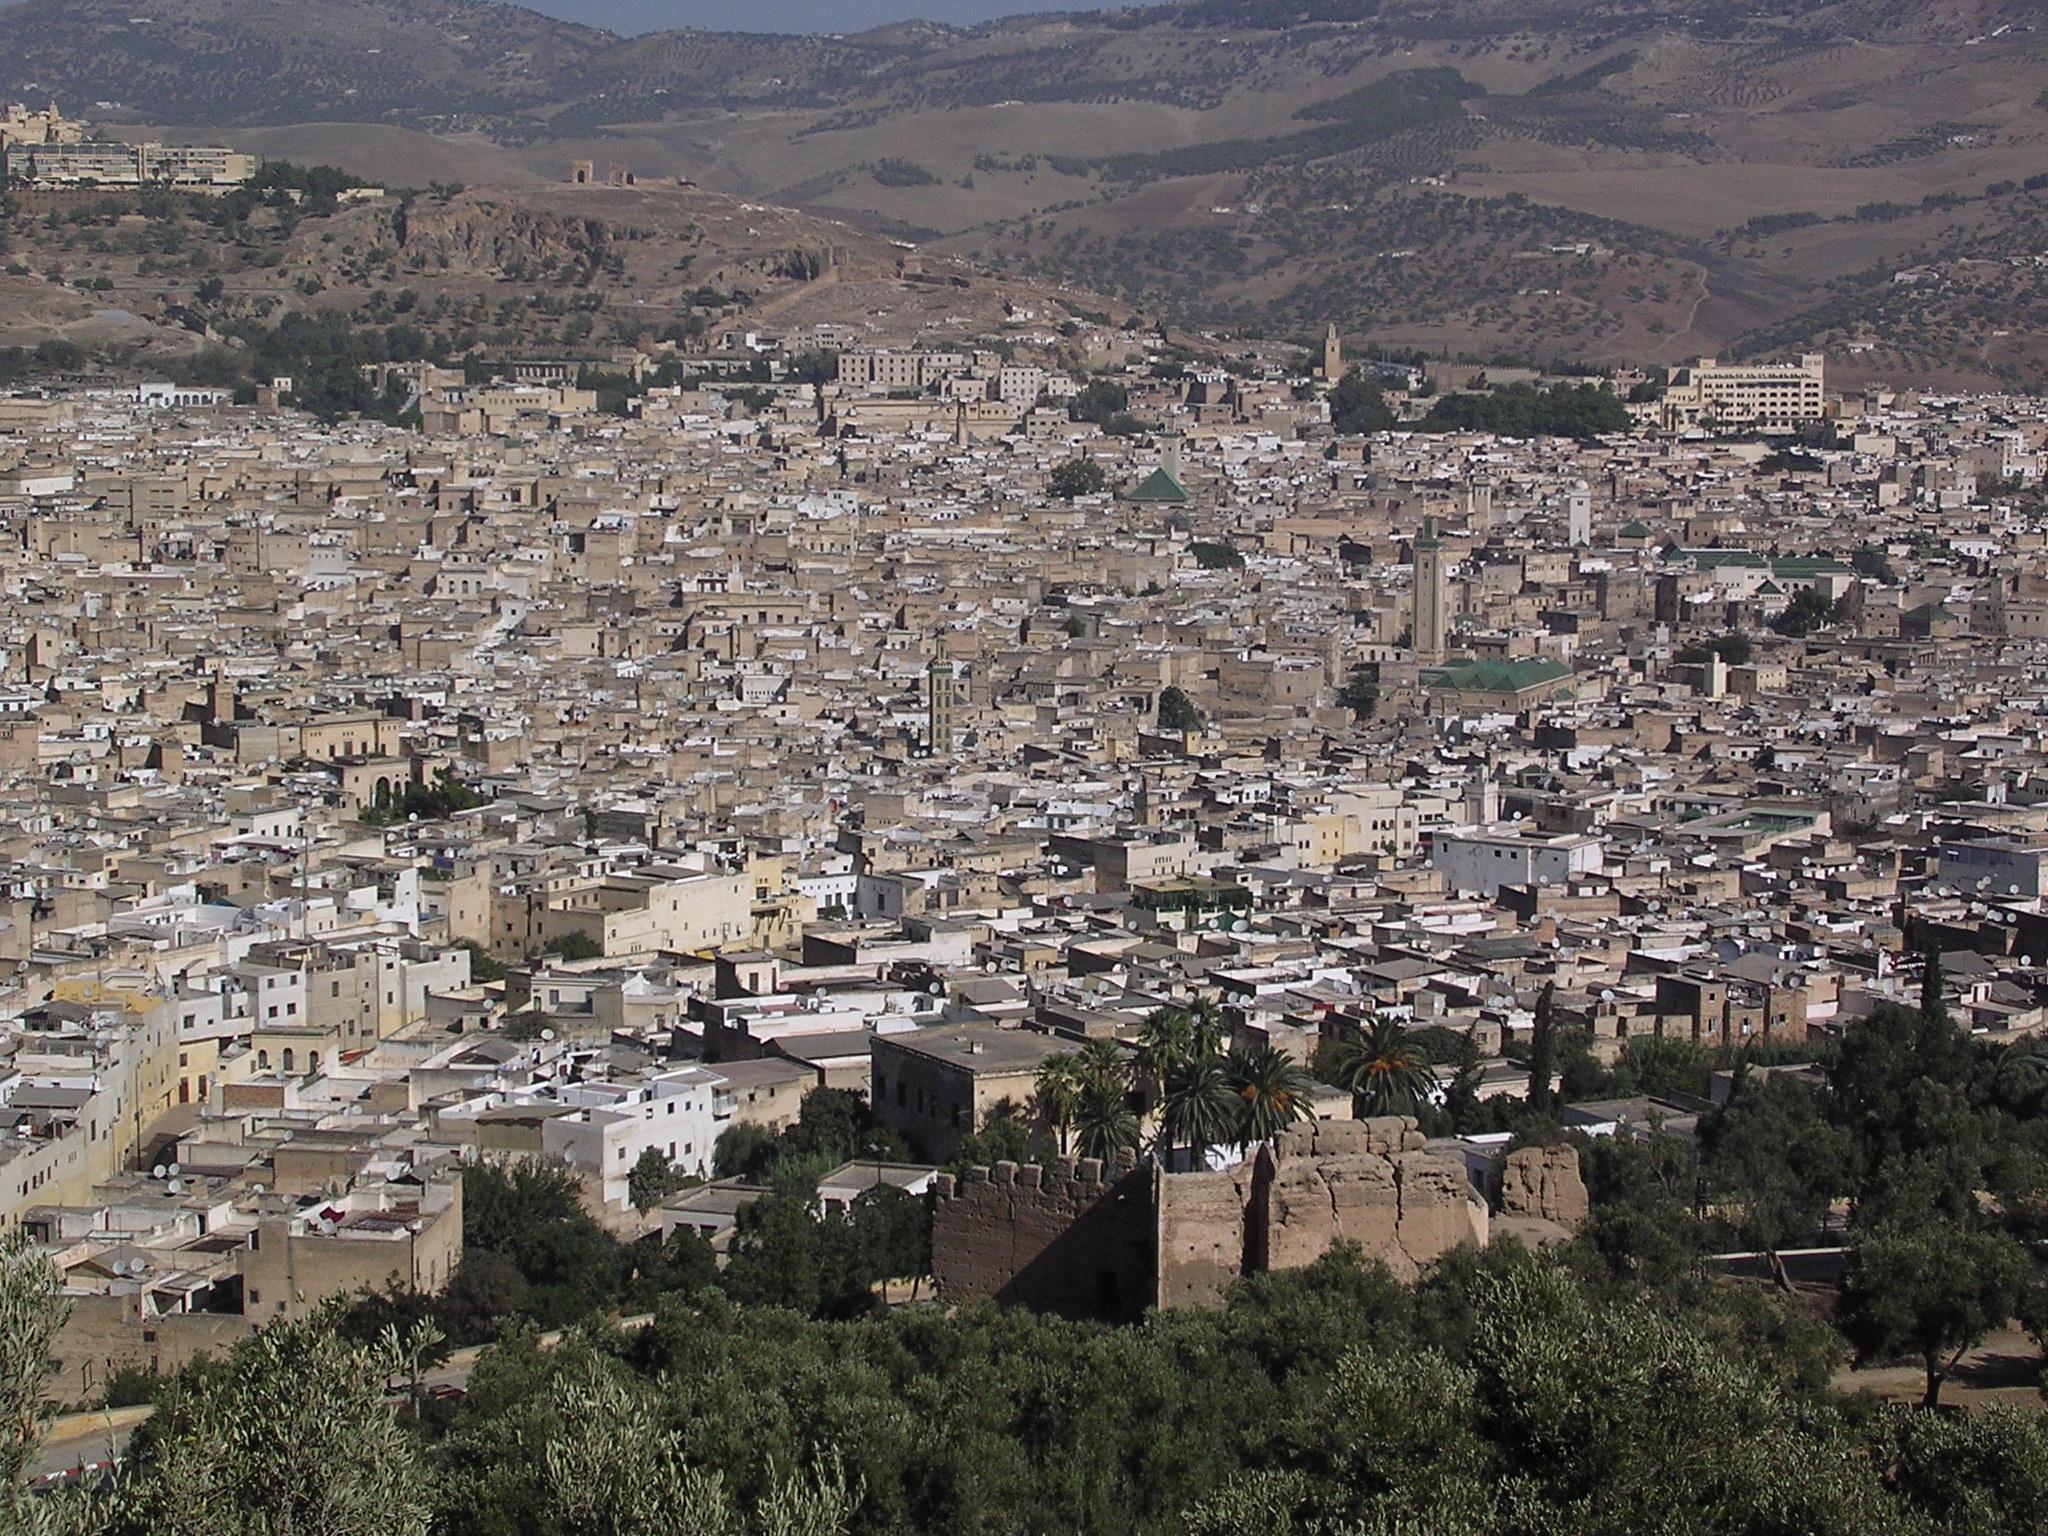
x=495, y=270
x=1612, y=180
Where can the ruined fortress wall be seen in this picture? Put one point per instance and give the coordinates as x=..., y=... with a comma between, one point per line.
x=1368, y=1182
x=1088, y=1241
x=1201, y=1225
x=1544, y=1183
x=1075, y=1238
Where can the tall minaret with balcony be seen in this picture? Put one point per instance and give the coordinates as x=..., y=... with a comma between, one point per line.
x=1432, y=596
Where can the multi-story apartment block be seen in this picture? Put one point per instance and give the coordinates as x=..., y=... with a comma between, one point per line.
x=1775, y=397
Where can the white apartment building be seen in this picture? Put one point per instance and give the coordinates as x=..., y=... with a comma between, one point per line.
x=679, y=1114
x=881, y=371
x=106, y=163
x=1019, y=385
x=1483, y=859
x=1773, y=396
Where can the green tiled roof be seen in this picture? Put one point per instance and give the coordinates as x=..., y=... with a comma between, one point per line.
x=1160, y=486
x=1494, y=676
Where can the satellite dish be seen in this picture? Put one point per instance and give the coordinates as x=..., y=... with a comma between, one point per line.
x=547, y=1034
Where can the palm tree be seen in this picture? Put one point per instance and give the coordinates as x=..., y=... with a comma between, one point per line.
x=1207, y=1026
x=1104, y=1063
x=1104, y=1123
x=1272, y=1091
x=1165, y=1041
x=1103, y=1117
x=1171, y=1037
x=1057, y=1090
x=2020, y=1079
x=1385, y=1070
x=1200, y=1107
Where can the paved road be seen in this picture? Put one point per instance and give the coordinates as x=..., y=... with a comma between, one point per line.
x=82, y=1439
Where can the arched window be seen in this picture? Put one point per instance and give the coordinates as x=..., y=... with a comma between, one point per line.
x=312, y=1061
x=287, y=1058
x=263, y=1061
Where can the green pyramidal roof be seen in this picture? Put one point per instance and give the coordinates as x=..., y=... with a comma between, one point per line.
x=1160, y=486
x=1494, y=676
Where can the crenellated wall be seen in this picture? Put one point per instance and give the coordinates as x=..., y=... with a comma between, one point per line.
x=1081, y=1239
x=1075, y=1238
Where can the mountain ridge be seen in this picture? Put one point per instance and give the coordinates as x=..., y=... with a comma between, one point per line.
x=1627, y=181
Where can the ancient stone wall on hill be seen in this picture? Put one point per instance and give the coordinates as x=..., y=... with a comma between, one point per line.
x=1201, y=1221
x=1368, y=1182
x=1080, y=1239
x=1075, y=1238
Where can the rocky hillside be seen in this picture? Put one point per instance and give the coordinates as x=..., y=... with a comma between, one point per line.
x=1603, y=180
x=455, y=272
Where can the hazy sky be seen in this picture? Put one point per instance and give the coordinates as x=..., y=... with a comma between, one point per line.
x=786, y=15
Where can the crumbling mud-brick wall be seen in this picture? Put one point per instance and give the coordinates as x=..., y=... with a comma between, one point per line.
x=1075, y=1238
x=1201, y=1222
x=1084, y=1240
x=1368, y=1182
x=1542, y=1194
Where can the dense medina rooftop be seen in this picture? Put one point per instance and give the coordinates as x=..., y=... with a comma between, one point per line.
x=1144, y=846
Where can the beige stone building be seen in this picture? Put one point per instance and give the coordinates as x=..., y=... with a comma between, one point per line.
x=376, y=1238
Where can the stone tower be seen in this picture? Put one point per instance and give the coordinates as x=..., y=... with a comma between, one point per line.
x=1479, y=503
x=945, y=691
x=1431, y=596
x=1333, y=354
